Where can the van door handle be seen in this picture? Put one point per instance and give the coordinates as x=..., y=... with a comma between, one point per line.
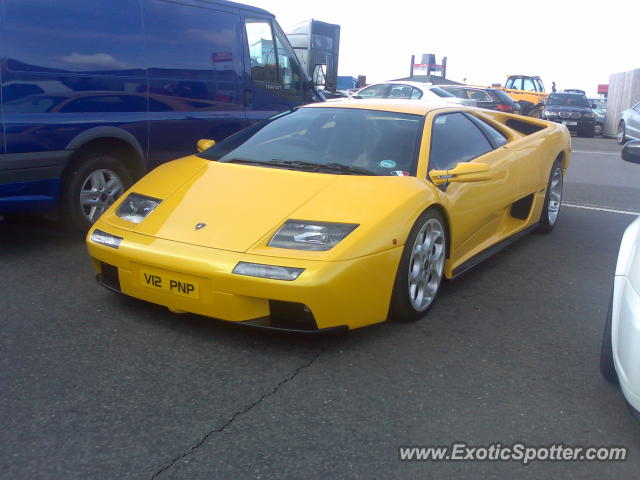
x=247, y=98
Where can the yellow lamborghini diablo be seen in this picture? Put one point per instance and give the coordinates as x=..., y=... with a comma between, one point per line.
x=334, y=215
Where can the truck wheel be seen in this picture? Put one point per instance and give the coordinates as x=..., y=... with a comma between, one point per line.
x=536, y=112
x=622, y=133
x=525, y=106
x=94, y=183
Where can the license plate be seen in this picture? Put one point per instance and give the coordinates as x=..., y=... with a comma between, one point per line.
x=566, y=122
x=170, y=283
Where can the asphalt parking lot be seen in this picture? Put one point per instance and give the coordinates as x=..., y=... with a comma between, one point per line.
x=100, y=386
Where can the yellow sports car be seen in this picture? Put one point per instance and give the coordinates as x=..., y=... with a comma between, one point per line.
x=335, y=215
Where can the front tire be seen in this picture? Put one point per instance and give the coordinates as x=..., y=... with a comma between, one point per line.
x=421, y=268
x=621, y=136
x=552, y=199
x=607, y=366
x=94, y=183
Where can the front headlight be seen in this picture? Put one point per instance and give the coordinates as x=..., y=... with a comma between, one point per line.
x=306, y=235
x=547, y=113
x=588, y=115
x=136, y=207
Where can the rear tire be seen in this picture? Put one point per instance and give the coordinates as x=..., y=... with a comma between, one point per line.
x=607, y=365
x=552, y=199
x=621, y=136
x=96, y=180
x=421, y=268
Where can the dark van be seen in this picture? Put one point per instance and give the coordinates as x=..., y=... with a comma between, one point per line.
x=95, y=94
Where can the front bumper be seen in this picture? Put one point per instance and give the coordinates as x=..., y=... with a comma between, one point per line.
x=327, y=295
x=574, y=124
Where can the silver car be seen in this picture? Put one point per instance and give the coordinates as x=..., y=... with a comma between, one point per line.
x=406, y=90
x=629, y=126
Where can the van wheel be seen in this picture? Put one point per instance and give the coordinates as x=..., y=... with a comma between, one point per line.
x=95, y=182
x=421, y=268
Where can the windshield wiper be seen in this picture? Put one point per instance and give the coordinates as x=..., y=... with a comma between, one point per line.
x=306, y=166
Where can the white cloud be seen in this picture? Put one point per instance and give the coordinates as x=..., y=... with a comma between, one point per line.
x=96, y=60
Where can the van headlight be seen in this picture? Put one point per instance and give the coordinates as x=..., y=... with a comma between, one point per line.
x=307, y=235
x=135, y=208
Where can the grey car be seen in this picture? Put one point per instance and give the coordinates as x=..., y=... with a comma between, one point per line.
x=629, y=126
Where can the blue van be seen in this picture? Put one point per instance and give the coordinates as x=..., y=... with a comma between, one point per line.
x=95, y=94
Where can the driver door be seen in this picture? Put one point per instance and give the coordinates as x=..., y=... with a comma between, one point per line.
x=477, y=209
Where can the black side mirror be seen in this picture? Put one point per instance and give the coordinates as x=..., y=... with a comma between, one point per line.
x=631, y=151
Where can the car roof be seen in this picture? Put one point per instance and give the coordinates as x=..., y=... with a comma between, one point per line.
x=399, y=106
x=400, y=82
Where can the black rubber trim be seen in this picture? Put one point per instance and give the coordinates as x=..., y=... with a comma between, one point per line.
x=31, y=174
x=483, y=255
x=102, y=283
x=264, y=323
x=19, y=161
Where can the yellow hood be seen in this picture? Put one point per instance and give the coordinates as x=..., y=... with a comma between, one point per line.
x=242, y=207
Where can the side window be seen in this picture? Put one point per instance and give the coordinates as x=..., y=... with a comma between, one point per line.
x=496, y=137
x=191, y=44
x=447, y=146
x=262, y=51
x=74, y=37
x=416, y=94
x=273, y=63
x=458, y=92
x=637, y=107
x=374, y=91
x=538, y=85
x=515, y=83
x=479, y=95
x=528, y=85
x=400, y=91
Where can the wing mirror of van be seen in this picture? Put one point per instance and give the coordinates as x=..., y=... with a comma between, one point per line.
x=205, y=144
x=462, y=173
x=631, y=151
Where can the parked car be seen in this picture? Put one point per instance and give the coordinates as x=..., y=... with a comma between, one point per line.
x=629, y=125
x=572, y=110
x=598, y=127
x=620, y=356
x=599, y=104
x=333, y=216
x=399, y=90
x=574, y=90
x=93, y=101
x=491, y=98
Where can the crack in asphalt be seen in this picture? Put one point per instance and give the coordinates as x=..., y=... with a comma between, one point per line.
x=238, y=414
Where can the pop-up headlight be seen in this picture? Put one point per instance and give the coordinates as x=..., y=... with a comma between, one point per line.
x=306, y=235
x=135, y=208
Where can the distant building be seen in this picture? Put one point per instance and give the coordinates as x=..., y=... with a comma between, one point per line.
x=434, y=79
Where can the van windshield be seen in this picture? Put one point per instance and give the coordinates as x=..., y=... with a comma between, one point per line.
x=343, y=140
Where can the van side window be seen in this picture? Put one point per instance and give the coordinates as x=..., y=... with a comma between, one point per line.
x=191, y=43
x=262, y=51
x=75, y=36
x=273, y=64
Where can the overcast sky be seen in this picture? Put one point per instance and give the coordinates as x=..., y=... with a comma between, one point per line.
x=577, y=44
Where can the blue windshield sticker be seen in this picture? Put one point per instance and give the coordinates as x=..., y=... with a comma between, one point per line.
x=387, y=164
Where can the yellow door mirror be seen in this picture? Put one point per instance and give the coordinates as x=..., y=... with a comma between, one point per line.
x=205, y=144
x=463, y=172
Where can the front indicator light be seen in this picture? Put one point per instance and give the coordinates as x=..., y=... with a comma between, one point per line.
x=135, y=208
x=305, y=235
x=106, y=239
x=274, y=272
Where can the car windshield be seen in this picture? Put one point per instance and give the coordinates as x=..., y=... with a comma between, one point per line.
x=568, y=100
x=328, y=140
